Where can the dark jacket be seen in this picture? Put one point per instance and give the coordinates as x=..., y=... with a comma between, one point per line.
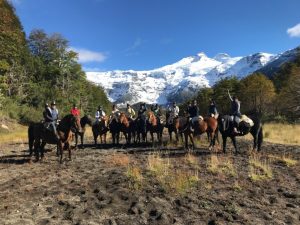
x=235, y=108
x=48, y=115
x=212, y=109
x=193, y=111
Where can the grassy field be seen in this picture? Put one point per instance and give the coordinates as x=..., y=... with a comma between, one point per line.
x=282, y=133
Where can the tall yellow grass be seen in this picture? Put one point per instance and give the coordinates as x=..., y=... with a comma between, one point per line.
x=19, y=135
x=282, y=133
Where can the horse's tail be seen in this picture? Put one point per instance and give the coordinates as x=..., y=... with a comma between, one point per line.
x=30, y=138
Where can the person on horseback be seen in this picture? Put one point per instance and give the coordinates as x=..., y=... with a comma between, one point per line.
x=99, y=114
x=114, y=113
x=235, y=112
x=173, y=113
x=130, y=111
x=141, y=113
x=50, y=115
x=156, y=111
x=193, y=114
x=212, y=109
x=75, y=111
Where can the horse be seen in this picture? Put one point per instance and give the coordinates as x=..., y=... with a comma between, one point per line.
x=207, y=125
x=83, y=122
x=154, y=127
x=127, y=127
x=100, y=128
x=226, y=127
x=115, y=127
x=211, y=130
x=171, y=125
x=141, y=129
x=39, y=136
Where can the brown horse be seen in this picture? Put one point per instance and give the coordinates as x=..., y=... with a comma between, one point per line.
x=207, y=125
x=127, y=127
x=39, y=136
x=100, y=128
x=153, y=126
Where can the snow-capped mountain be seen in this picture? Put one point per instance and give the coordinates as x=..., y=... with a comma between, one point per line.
x=181, y=80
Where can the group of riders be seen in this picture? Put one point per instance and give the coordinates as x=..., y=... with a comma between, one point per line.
x=51, y=114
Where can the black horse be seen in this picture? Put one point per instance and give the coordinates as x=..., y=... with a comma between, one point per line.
x=39, y=136
x=141, y=129
x=226, y=126
x=115, y=128
x=83, y=122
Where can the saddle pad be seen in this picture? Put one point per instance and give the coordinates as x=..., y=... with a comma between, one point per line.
x=246, y=119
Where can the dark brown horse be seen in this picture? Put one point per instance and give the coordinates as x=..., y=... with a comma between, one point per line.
x=39, y=136
x=100, y=128
x=83, y=122
x=153, y=126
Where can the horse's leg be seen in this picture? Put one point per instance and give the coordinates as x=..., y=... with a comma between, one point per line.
x=233, y=138
x=224, y=137
x=82, y=136
x=260, y=139
x=69, y=149
x=37, y=149
x=61, y=149
x=192, y=140
x=76, y=139
x=186, y=140
x=42, y=149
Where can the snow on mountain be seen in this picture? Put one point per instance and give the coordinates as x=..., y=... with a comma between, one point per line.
x=182, y=79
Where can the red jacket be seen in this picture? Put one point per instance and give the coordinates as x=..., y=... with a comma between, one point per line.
x=75, y=112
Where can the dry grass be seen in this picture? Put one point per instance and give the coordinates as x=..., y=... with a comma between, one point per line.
x=135, y=177
x=192, y=160
x=285, y=159
x=221, y=165
x=174, y=180
x=17, y=135
x=282, y=133
x=118, y=159
x=259, y=169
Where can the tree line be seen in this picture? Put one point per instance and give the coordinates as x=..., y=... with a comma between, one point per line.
x=275, y=98
x=39, y=69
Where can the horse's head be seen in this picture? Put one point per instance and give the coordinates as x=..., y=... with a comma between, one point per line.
x=152, y=119
x=124, y=120
x=75, y=124
x=86, y=120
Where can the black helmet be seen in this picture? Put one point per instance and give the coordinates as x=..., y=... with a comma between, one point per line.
x=53, y=103
x=46, y=104
x=128, y=104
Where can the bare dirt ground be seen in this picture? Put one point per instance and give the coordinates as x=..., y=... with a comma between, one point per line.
x=122, y=186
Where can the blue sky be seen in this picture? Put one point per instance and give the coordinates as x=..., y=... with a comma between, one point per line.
x=146, y=34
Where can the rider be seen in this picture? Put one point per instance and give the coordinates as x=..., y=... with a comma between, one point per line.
x=235, y=112
x=114, y=113
x=212, y=109
x=50, y=115
x=173, y=112
x=75, y=111
x=156, y=111
x=141, y=113
x=193, y=112
x=130, y=111
x=99, y=114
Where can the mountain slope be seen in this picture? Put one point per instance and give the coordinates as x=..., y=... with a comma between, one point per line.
x=182, y=79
